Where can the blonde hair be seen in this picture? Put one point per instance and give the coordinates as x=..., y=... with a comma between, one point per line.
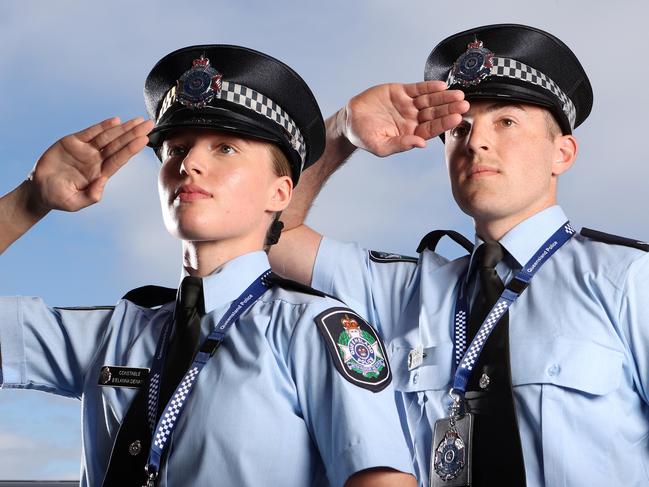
x=281, y=167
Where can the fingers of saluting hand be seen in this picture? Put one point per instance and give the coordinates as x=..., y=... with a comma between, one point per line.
x=433, y=128
x=422, y=88
x=437, y=98
x=125, y=144
x=440, y=111
x=86, y=135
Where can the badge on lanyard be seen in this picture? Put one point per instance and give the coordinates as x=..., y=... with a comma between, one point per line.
x=451, y=458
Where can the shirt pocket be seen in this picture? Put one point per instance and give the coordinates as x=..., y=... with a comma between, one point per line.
x=434, y=373
x=569, y=363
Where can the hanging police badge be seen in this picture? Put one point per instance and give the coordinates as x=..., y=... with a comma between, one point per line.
x=199, y=84
x=358, y=353
x=451, y=452
x=473, y=66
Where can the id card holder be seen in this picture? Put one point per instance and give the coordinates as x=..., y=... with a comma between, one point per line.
x=450, y=462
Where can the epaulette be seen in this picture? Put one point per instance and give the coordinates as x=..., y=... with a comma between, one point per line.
x=386, y=257
x=294, y=286
x=151, y=296
x=431, y=240
x=614, y=239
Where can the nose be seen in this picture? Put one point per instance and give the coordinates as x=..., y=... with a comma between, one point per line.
x=191, y=164
x=479, y=137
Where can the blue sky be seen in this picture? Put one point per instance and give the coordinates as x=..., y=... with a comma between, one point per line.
x=66, y=64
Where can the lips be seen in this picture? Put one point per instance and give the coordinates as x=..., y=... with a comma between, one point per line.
x=482, y=171
x=191, y=192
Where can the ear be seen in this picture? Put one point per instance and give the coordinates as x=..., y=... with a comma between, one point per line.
x=565, y=153
x=281, y=192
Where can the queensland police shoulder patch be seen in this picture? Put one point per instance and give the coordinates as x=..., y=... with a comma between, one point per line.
x=384, y=257
x=356, y=349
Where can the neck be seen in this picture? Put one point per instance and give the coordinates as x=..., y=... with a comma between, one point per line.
x=496, y=228
x=201, y=259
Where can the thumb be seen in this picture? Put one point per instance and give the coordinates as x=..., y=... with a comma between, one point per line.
x=95, y=190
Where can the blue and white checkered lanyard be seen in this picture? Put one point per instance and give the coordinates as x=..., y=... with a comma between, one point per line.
x=176, y=405
x=464, y=362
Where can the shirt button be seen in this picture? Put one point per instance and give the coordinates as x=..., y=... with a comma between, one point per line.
x=484, y=381
x=135, y=448
x=415, y=377
x=554, y=370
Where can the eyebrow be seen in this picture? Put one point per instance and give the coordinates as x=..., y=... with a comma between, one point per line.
x=504, y=104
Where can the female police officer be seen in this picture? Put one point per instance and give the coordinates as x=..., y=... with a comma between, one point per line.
x=249, y=379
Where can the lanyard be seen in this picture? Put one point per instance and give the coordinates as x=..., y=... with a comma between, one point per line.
x=465, y=361
x=176, y=405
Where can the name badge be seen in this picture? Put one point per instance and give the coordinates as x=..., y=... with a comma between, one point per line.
x=115, y=376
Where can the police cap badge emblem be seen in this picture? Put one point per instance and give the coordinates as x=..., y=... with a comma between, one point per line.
x=199, y=84
x=474, y=65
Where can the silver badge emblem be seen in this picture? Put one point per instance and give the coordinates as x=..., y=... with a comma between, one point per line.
x=474, y=65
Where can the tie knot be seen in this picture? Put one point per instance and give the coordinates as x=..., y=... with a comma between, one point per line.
x=491, y=253
x=190, y=292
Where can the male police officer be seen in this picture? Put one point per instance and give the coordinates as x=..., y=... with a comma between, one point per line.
x=266, y=382
x=554, y=391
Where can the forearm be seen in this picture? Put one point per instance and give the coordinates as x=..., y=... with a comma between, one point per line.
x=381, y=477
x=337, y=151
x=18, y=213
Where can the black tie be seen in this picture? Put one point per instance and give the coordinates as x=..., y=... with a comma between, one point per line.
x=184, y=341
x=497, y=452
x=131, y=448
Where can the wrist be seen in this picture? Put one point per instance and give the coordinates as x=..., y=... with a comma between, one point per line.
x=30, y=200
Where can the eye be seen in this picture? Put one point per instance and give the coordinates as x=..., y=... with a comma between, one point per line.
x=507, y=122
x=174, y=150
x=461, y=130
x=227, y=149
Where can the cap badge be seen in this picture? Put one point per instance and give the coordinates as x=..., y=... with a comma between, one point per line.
x=199, y=84
x=474, y=65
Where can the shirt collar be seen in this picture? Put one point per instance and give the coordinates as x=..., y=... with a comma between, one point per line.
x=524, y=239
x=227, y=282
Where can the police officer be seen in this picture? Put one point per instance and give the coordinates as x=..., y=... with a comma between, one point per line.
x=554, y=389
x=246, y=378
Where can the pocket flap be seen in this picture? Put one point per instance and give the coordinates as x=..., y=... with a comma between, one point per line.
x=585, y=366
x=434, y=373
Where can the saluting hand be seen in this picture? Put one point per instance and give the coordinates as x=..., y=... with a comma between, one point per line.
x=73, y=172
x=395, y=117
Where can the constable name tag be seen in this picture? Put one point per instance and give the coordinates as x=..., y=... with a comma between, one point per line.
x=115, y=376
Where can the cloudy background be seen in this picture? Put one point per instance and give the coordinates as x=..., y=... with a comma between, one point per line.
x=67, y=64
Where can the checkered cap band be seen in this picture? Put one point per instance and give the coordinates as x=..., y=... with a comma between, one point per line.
x=255, y=101
x=510, y=68
x=174, y=408
x=479, y=341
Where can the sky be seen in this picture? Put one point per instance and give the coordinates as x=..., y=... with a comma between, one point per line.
x=67, y=64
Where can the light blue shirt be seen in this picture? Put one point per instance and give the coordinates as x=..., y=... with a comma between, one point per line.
x=579, y=345
x=268, y=409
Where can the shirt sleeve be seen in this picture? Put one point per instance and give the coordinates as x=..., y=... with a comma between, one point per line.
x=354, y=428
x=379, y=291
x=48, y=349
x=634, y=320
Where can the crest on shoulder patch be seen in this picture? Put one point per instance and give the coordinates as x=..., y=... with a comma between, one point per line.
x=383, y=257
x=356, y=349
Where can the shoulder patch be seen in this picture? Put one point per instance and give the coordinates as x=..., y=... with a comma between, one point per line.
x=385, y=257
x=151, y=296
x=614, y=239
x=356, y=349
